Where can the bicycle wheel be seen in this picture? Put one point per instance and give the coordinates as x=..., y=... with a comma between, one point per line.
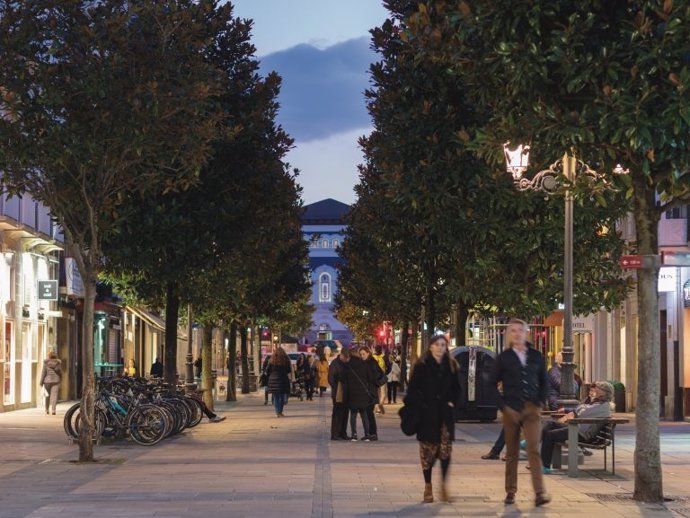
x=68, y=421
x=197, y=414
x=147, y=425
x=99, y=421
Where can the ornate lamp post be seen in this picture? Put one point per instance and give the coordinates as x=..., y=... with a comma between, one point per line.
x=549, y=181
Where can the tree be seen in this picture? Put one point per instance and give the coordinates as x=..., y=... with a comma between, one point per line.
x=607, y=82
x=102, y=99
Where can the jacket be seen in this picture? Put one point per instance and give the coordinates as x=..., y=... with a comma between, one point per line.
x=521, y=384
x=52, y=371
x=336, y=373
x=432, y=386
x=322, y=372
x=595, y=409
x=394, y=374
x=278, y=378
x=359, y=383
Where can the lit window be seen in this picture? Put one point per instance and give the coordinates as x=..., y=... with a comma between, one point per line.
x=324, y=287
x=336, y=243
x=324, y=243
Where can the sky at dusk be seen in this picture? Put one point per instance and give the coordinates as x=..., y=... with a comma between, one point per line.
x=321, y=50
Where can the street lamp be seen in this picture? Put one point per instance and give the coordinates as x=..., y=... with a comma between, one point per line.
x=548, y=181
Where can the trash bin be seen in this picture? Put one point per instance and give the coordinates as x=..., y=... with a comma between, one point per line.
x=618, y=395
x=478, y=396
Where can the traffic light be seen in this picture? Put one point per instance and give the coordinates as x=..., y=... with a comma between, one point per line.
x=266, y=334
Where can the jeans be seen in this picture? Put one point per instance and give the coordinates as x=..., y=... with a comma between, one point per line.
x=371, y=417
x=353, y=421
x=392, y=391
x=529, y=419
x=339, y=420
x=500, y=443
x=552, y=433
x=279, y=400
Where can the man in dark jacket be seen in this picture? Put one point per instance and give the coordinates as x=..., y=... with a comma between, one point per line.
x=157, y=369
x=522, y=372
x=340, y=413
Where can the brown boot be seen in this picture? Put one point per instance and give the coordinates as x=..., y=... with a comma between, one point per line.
x=443, y=494
x=428, y=494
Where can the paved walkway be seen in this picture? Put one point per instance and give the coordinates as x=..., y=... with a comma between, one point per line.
x=254, y=465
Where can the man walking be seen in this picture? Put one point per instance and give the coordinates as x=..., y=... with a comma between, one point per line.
x=340, y=409
x=522, y=372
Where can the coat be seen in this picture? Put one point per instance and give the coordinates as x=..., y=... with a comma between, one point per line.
x=52, y=371
x=322, y=372
x=359, y=379
x=278, y=378
x=432, y=386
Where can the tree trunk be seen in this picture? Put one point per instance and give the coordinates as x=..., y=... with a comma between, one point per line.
x=414, y=353
x=648, y=478
x=172, y=312
x=404, y=343
x=244, y=359
x=462, y=311
x=231, y=394
x=430, y=312
x=87, y=409
x=206, y=364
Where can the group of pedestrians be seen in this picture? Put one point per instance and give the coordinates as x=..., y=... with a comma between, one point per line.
x=355, y=378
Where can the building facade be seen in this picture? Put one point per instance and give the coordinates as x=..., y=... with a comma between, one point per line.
x=323, y=226
x=31, y=244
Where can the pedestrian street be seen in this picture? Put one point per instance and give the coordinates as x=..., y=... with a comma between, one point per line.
x=255, y=465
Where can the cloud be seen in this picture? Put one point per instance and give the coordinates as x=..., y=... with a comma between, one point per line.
x=323, y=89
x=328, y=167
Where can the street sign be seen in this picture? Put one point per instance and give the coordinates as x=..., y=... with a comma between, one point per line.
x=630, y=261
x=47, y=290
x=675, y=258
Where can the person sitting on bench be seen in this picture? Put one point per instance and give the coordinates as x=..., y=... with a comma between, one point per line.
x=557, y=431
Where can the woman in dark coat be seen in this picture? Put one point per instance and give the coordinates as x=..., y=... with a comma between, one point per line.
x=432, y=393
x=279, y=372
x=374, y=373
x=359, y=394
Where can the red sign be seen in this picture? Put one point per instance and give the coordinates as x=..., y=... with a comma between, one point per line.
x=630, y=261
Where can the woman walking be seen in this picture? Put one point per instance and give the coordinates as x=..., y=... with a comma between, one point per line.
x=50, y=380
x=322, y=374
x=278, y=372
x=431, y=394
x=393, y=380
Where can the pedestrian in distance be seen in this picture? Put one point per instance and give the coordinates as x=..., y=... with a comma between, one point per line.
x=322, y=374
x=360, y=393
x=554, y=374
x=263, y=377
x=279, y=371
x=336, y=379
x=383, y=363
x=157, y=369
x=393, y=381
x=522, y=372
x=131, y=368
x=431, y=394
x=50, y=381
x=197, y=367
x=310, y=377
x=376, y=379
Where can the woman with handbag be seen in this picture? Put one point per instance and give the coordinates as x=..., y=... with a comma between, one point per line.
x=431, y=395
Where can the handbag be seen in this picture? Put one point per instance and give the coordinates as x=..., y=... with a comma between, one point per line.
x=340, y=393
x=409, y=420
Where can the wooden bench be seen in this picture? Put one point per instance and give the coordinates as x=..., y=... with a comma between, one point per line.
x=606, y=436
